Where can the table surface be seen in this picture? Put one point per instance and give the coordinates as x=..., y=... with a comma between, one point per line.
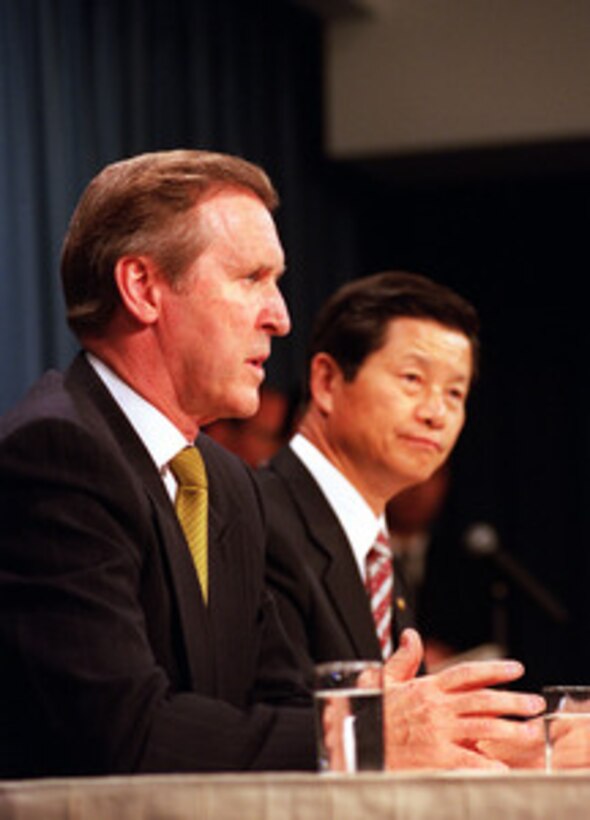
x=292, y=796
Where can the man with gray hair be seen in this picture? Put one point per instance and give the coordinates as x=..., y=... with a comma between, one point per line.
x=120, y=653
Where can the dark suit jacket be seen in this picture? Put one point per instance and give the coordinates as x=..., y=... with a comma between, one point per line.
x=313, y=572
x=110, y=660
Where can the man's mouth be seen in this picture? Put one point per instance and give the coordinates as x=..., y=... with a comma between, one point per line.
x=258, y=362
x=422, y=443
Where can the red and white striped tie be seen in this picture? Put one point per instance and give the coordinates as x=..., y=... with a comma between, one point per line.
x=379, y=585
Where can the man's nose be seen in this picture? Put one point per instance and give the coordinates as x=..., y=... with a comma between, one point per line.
x=432, y=409
x=276, y=319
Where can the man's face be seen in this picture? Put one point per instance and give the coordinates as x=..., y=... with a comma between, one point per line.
x=215, y=328
x=398, y=420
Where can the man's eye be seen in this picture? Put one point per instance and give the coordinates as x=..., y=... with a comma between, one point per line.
x=457, y=394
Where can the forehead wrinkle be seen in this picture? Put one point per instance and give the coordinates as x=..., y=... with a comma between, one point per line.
x=427, y=360
x=243, y=234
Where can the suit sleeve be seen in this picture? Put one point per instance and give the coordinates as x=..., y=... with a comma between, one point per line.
x=82, y=691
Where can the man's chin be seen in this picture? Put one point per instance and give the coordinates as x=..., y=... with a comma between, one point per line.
x=244, y=406
x=421, y=475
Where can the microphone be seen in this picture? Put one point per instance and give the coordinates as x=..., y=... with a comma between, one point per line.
x=482, y=540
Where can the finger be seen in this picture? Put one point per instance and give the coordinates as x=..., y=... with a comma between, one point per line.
x=406, y=660
x=472, y=759
x=476, y=674
x=369, y=679
x=472, y=731
x=439, y=755
x=525, y=750
x=571, y=749
x=498, y=702
x=521, y=757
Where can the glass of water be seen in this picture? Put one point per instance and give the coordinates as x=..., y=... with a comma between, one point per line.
x=348, y=698
x=567, y=727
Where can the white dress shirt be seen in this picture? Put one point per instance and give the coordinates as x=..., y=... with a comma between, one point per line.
x=162, y=439
x=356, y=517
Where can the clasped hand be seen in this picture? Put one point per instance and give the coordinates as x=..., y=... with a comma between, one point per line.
x=452, y=719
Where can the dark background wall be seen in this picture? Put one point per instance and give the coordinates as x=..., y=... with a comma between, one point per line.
x=85, y=83
x=515, y=242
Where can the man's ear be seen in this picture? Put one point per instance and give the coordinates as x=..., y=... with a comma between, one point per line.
x=325, y=378
x=139, y=287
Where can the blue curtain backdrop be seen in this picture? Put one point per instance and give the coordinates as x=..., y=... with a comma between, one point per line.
x=86, y=82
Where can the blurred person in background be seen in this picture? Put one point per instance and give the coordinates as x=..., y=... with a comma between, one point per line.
x=450, y=591
x=257, y=438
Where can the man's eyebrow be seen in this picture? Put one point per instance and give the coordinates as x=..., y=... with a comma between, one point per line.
x=414, y=357
x=264, y=267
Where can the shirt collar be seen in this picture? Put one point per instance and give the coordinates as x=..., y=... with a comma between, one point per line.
x=356, y=517
x=161, y=437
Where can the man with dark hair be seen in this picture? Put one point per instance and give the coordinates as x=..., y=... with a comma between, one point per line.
x=354, y=321
x=391, y=361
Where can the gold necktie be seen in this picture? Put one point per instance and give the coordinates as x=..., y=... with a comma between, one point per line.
x=191, y=507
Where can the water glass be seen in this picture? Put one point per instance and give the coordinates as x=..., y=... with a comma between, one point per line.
x=567, y=727
x=348, y=697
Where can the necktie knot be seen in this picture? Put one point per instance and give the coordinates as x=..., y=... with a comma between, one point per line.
x=382, y=547
x=188, y=469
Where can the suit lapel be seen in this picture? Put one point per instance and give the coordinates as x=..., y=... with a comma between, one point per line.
x=220, y=529
x=330, y=554
x=192, y=612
